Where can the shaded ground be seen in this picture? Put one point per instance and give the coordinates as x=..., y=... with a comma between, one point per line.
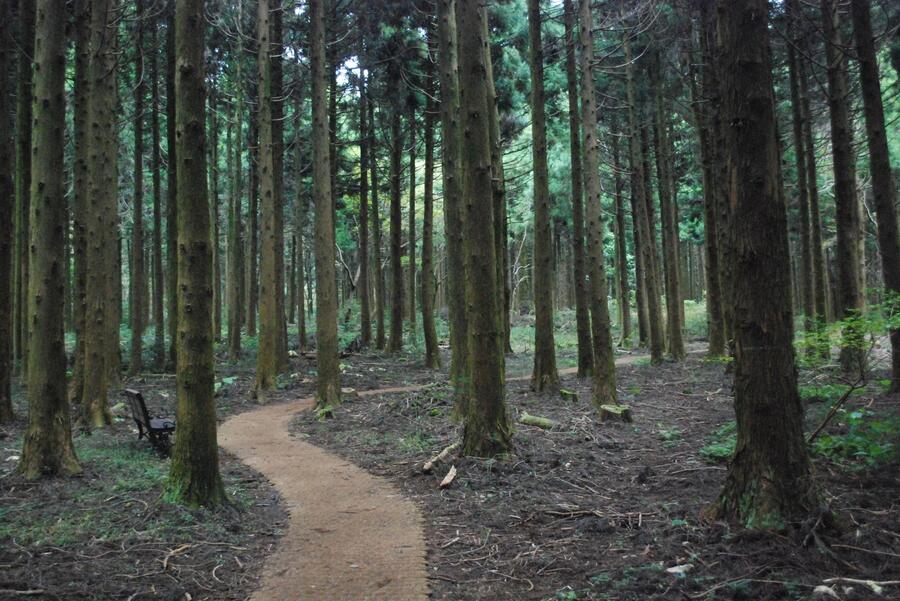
x=111, y=535
x=601, y=511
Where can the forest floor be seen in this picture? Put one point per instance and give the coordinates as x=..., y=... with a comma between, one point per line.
x=586, y=510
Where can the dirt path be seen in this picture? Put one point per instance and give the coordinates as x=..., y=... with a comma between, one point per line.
x=352, y=535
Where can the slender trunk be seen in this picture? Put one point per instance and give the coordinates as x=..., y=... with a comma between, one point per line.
x=300, y=210
x=81, y=28
x=7, y=203
x=621, y=255
x=24, y=78
x=487, y=431
x=451, y=156
x=365, y=313
x=847, y=207
x=640, y=194
x=275, y=51
x=235, y=275
x=172, y=187
x=806, y=268
x=47, y=449
x=665, y=185
x=769, y=481
x=395, y=341
x=883, y=188
x=582, y=308
x=411, y=228
x=138, y=283
x=214, y=209
x=432, y=353
x=544, y=375
x=267, y=357
x=376, y=233
x=252, y=279
x=194, y=474
x=328, y=387
x=604, y=389
x=159, y=335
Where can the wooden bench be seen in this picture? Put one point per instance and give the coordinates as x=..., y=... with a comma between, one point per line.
x=156, y=429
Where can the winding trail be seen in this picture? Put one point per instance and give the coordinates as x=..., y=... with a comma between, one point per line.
x=352, y=536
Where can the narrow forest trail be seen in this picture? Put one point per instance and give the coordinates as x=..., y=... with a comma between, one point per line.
x=352, y=536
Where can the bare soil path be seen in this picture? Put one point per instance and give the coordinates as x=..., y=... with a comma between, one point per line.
x=352, y=535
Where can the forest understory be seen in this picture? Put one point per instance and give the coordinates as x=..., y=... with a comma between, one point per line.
x=584, y=510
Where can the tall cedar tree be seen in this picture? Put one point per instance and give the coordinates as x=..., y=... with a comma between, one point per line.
x=194, y=475
x=138, y=282
x=172, y=187
x=376, y=235
x=848, y=214
x=7, y=191
x=81, y=33
x=276, y=49
x=47, y=448
x=365, y=312
x=411, y=228
x=101, y=222
x=640, y=194
x=24, y=79
x=451, y=156
x=883, y=189
x=213, y=100
x=668, y=214
x=328, y=387
x=159, y=333
x=582, y=307
x=544, y=375
x=395, y=340
x=621, y=254
x=300, y=210
x=769, y=481
x=267, y=357
x=432, y=352
x=604, y=390
x=486, y=431
x=235, y=240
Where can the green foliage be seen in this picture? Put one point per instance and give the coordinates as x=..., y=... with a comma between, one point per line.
x=864, y=438
x=721, y=444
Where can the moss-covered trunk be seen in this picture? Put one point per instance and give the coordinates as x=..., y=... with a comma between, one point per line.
x=194, y=476
x=328, y=386
x=769, y=481
x=47, y=448
x=604, y=389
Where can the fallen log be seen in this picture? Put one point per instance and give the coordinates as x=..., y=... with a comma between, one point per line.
x=439, y=458
x=619, y=412
x=539, y=422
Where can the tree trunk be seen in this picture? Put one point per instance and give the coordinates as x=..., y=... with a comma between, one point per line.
x=267, y=357
x=640, y=194
x=172, y=187
x=138, y=283
x=300, y=211
x=411, y=228
x=432, y=353
x=451, y=157
x=194, y=475
x=252, y=238
x=365, y=313
x=235, y=243
x=81, y=33
x=883, y=188
x=544, y=375
x=769, y=481
x=159, y=336
x=47, y=449
x=604, y=389
x=276, y=49
x=328, y=387
x=7, y=207
x=667, y=210
x=847, y=207
x=101, y=226
x=582, y=307
x=624, y=294
x=376, y=234
x=395, y=341
x=486, y=431
x=214, y=209
x=23, y=177
x=807, y=292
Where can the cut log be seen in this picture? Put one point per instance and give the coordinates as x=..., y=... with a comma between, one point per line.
x=448, y=479
x=349, y=393
x=568, y=395
x=540, y=422
x=615, y=412
x=439, y=458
